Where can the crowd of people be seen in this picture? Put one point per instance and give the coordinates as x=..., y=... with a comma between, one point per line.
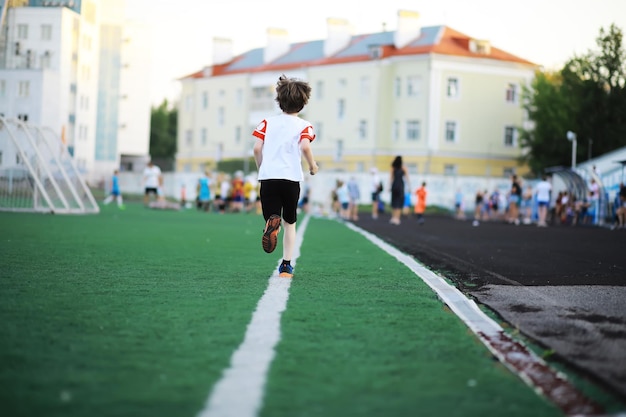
x=536, y=205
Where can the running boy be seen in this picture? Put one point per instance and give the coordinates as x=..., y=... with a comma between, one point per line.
x=281, y=142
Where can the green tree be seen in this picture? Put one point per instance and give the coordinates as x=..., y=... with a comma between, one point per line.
x=588, y=97
x=163, y=131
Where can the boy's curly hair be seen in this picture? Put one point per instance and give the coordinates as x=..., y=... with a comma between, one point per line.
x=292, y=94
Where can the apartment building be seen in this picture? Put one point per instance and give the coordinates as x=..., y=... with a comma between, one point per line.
x=447, y=102
x=67, y=66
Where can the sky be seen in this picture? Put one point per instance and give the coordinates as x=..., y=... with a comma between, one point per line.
x=546, y=32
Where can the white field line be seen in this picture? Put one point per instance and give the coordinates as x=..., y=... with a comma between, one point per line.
x=239, y=393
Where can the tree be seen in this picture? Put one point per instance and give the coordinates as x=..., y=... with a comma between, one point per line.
x=163, y=132
x=588, y=96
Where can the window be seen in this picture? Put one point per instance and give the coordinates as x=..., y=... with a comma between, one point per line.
x=365, y=87
x=319, y=129
x=451, y=132
x=342, y=83
x=46, y=32
x=508, y=172
x=452, y=89
x=511, y=93
x=45, y=60
x=188, y=102
x=449, y=169
x=220, y=116
x=189, y=137
x=341, y=108
x=397, y=86
x=339, y=150
x=23, y=89
x=510, y=136
x=363, y=129
x=203, y=136
x=205, y=100
x=413, y=130
x=396, y=130
x=22, y=31
x=319, y=90
x=413, y=85
x=237, y=134
x=239, y=97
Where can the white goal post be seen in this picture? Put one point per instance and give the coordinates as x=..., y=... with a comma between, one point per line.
x=38, y=174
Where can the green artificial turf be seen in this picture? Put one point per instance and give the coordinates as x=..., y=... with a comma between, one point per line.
x=125, y=313
x=362, y=336
x=137, y=312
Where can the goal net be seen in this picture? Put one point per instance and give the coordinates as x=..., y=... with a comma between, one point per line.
x=37, y=173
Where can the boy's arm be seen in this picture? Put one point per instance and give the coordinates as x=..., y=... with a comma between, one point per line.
x=258, y=153
x=305, y=146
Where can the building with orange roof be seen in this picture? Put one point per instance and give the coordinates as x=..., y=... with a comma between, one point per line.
x=447, y=102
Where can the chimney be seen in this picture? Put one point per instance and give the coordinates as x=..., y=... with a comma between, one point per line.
x=222, y=50
x=277, y=44
x=408, y=28
x=339, y=36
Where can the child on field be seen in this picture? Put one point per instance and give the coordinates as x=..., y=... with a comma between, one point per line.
x=281, y=140
x=115, y=191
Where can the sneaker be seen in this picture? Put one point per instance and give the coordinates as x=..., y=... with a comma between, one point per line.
x=285, y=271
x=270, y=234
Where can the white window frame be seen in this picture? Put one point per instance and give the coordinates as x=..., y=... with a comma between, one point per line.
x=395, y=130
x=189, y=137
x=510, y=136
x=46, y=32
x=451, y=126
x=363, y=129
x=22, y=31
x=450, y=169
x=453, y=87
x=205, y=100
x=319, y=90
x=511, y=95
x=204, y=136
x=341, y=108
x=23, y=89
x=413, y=85
x=413, y=130
x=221, y=116
x=365, y=86
x=397, y=87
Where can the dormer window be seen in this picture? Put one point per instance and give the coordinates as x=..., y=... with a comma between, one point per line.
x=375, y=51
x=479, y=46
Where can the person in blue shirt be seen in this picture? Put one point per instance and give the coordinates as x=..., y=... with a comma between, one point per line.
x=204, y=192
x=115, y=191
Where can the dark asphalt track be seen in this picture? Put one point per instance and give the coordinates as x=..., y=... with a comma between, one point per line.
x=562, y=286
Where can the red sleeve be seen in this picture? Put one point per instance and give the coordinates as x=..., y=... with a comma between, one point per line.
x=308, y=133
x=259, y=132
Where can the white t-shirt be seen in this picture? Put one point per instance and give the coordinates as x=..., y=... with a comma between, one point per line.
x=281, y=136
x=151, y=176
x=543, y=191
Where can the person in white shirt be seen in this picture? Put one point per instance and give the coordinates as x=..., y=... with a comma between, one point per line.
x=281, y=141
x=152, y=181
x=543, y=192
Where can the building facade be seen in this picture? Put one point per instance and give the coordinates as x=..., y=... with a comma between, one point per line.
x=448, y=103
x=58, y=70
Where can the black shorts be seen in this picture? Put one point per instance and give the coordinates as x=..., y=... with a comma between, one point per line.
x=151, y=190
x=280, y=197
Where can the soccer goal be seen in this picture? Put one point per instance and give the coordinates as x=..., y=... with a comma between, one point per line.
x=37, y=173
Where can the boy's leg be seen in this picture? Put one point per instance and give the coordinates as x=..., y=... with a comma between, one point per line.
x=289, y=240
